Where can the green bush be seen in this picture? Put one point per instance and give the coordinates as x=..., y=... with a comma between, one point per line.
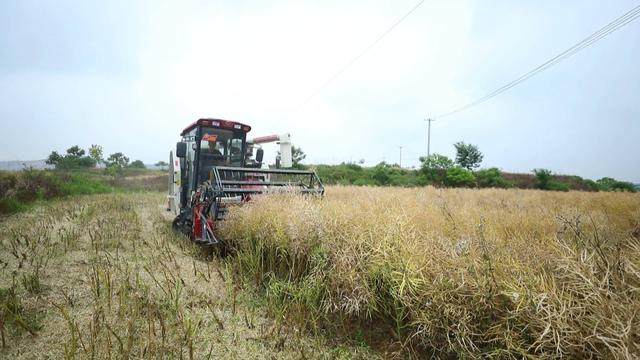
x=7, y=182
x=611, y=184
x=434, y=167
x=9, y=205
x=342, y=174
x=543, y=178
x=380, y=174
x=491, y=178
x=590, y=185
x=19, y=189
x=137, y=164
x=35, y=185
x=458, y=176
x=436, y=170
x=558, y=186
x=625, y=186
x=81, y=184
x=75, y=158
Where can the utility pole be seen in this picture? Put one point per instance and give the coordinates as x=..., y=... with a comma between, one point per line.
x=400, y=156
x=429, y=120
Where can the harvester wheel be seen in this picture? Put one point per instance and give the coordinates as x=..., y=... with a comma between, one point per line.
x=183, y=226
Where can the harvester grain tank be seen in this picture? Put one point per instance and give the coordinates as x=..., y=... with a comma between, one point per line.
x=214, y=167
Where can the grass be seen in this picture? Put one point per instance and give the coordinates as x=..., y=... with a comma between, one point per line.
x=455, y=273
x=20, y=190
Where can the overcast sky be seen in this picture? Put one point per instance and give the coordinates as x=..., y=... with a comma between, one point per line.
x=131, y=75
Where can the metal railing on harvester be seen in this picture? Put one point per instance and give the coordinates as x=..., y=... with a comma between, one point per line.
x=233, y=181
x=232, y=185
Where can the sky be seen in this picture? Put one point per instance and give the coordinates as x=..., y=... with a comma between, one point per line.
x=130, y=75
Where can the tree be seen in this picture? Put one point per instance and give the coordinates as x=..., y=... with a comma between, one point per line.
x=137, y=164
x=116, y=162
x=162, y=165
x=468, y=156
x=435, y=162
x=95, y=152
x=54, y=159
x=435, y=166
x=297, y=155
x=73, y=159
x=543, y=176
x=75, y=151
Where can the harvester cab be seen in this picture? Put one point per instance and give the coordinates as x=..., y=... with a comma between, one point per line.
x=214, y=168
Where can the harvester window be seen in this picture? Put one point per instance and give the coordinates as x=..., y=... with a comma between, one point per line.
x=235, y=151
x=219, y=147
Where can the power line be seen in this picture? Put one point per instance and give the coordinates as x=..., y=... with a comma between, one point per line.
x=363, y=52
x=616, y=24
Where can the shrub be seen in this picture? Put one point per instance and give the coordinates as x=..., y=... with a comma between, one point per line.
x=75, y=158
x=137, y=164
x=458, y=176
x=589, y=185
x=36, y=184
x=625, y=186
x=611, y=184
x=7, y=182
x=491, y=178
x=543, y=177
x=81, y=184
x=380, y=174
x=342, y=173
x=116, y=162
x=435, y=166
x=10, y=205
x=24, y=187
x=558, y=186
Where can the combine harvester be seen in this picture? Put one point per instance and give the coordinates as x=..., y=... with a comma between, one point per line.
x=214, y=167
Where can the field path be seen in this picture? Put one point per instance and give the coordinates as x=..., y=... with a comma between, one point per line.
x=105, y=276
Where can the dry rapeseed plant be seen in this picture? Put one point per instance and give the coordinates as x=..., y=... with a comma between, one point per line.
x=501, y=273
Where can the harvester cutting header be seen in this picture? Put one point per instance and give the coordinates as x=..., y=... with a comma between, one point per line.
x=214, y=167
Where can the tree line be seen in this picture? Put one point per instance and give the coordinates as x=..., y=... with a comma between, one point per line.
x=436, y=169
x=462, y=171
x=76, y=158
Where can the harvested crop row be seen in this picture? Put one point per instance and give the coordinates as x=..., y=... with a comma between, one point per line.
x=105, y=277
x=508, y=273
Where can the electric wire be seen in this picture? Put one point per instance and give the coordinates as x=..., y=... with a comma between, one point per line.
x=363, y=52
x=613, y=26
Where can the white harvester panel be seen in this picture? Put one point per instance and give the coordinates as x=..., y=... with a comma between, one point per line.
x=285, y=151
x=174, y=184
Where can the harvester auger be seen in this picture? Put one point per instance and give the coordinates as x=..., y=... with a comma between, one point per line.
x=214, y=168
